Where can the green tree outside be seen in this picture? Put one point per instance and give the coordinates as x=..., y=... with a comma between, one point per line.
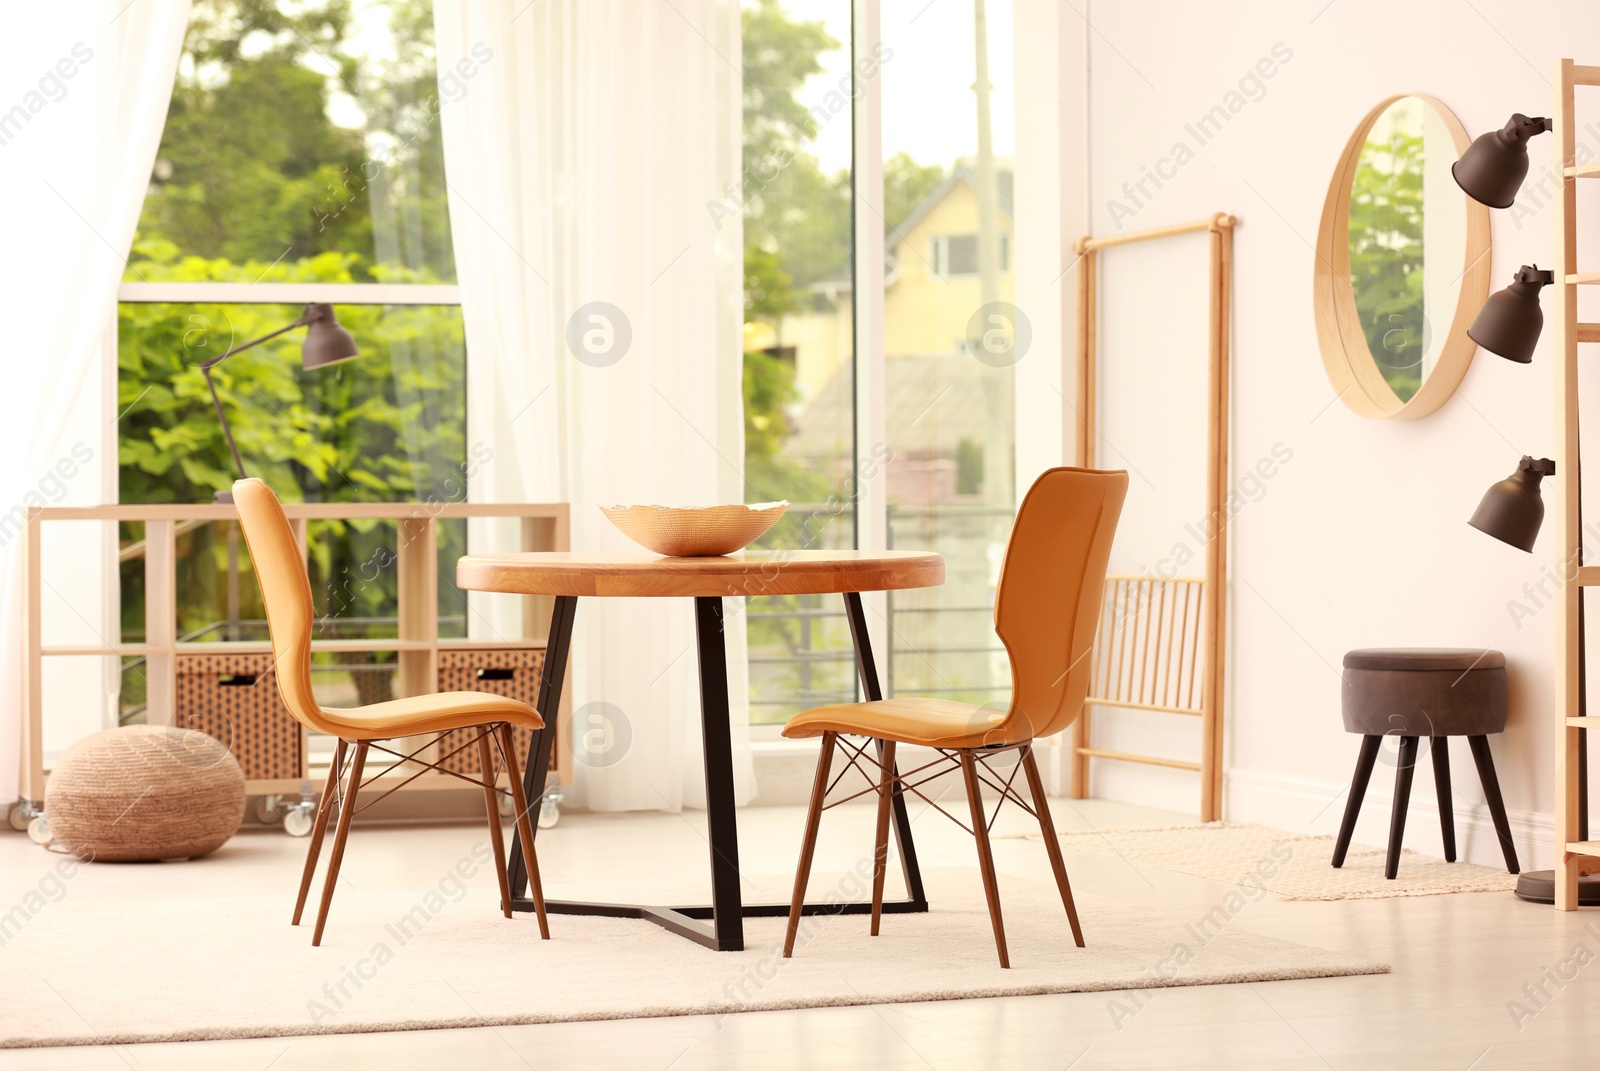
x=1387, y=257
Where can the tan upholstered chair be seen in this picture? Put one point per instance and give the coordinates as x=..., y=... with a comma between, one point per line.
x=1046, y=610
x=286, y=591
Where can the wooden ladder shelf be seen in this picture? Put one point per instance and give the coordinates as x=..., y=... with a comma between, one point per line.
x=1574, y=857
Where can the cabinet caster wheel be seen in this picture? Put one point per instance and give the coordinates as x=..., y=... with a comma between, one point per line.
x=549, y=811
x=22, y=814
x=297, y=821
x=39, y=830
x=268, y=809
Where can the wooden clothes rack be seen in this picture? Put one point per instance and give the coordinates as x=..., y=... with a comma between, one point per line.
x=1152, y=629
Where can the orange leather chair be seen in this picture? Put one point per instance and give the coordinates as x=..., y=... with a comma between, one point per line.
x=286, y=592
x=1046, y=610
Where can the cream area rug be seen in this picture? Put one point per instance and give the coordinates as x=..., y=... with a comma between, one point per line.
x=227, y=967
x=1292, y=866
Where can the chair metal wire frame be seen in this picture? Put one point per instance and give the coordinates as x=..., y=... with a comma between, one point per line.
x=886, y=784
x=949, y=761
x=345, y=783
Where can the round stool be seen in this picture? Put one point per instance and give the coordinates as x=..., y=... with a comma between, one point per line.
x=144, y=792
x=1416, y=692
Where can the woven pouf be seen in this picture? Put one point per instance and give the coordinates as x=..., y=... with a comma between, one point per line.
x=144, y=792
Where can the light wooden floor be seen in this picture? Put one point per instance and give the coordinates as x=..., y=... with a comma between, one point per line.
x=1460, y=963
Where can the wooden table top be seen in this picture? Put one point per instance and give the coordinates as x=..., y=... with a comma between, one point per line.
x=750, y=572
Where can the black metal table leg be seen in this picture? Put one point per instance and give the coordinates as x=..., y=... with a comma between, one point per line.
x=552, y=677
x=719, y=925
x=722, y=823
x=916, y=900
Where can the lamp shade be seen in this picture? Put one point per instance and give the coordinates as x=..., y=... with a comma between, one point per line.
x=1493, y=167
x=1512, y=509
x=1510, y=321
x=326, y=342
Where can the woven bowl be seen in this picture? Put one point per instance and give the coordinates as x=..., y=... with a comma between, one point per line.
x=144, y=792
x=695, y=532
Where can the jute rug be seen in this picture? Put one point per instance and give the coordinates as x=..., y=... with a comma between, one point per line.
x=1292, y=866
x=224, y=967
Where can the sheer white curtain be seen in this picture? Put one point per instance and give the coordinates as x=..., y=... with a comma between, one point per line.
x=603, y=307
x=84, y=89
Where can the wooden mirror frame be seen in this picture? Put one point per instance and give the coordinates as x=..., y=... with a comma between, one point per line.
x=1349, y=363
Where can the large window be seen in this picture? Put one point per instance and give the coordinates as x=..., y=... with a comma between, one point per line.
x=950, y=331
x=947, y=450
x=301, y=162
x=799, y=357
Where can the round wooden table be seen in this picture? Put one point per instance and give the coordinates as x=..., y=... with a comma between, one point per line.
x=567, y=575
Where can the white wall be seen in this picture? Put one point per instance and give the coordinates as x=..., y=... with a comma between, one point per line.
x=1361, y=539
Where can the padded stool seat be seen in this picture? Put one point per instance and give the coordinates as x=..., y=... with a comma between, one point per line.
x=1417, y=692
x=1424, y=691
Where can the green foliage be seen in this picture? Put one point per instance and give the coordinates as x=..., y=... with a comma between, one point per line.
x=796, y=218
x=969, y=467
x=252, y=167
x=796, y=233
x=388, y=425
x=768, y=387
x=256, y=182
x=1386, y=257
x=779, y=55
x=906, y=184
x=768, y=288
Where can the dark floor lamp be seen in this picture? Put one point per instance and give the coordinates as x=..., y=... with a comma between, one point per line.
x=1491, y=171
x=325, y=343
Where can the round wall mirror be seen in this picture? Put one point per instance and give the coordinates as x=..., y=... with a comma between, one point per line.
x=1402, y=262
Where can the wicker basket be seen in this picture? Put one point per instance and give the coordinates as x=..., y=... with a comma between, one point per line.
x=695, y=532
x=234, y=698
x=514, y=674
x=144, y=792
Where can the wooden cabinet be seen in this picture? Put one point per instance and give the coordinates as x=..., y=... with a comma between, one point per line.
x=225, y=688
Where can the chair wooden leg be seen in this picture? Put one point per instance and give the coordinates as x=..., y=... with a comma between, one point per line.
x=980, y=830
x=1402, y=796
x=319, y=829
x=880, y=849
x=1440, y=749
x=808, y=846
x=524, y=826
x=1052, y=846
x=1358, y=792
x=1491, y=795
x=496, y=837
x=346, y=813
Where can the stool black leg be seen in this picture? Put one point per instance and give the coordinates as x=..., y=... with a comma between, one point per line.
x=1491, y=796
x=1358, y=792
x=1402, y=796
x=1440, y=746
